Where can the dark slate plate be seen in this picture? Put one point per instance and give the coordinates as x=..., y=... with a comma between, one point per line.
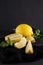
x=12, y=55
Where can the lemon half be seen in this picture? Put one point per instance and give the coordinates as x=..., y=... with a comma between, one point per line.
x=13, y=37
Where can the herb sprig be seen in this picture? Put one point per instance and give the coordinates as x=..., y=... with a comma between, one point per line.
x=10, y=42
x=37, y=34
x=4, y=44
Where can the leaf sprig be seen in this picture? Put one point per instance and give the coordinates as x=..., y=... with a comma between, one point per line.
x=37, y=34
x=4, y=44
x=10, y=42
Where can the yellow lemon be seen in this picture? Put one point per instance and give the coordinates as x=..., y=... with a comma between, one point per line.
x=21, y=43
x=24, y=29
x=31, y=39
x=13, y=37
x=29, y=48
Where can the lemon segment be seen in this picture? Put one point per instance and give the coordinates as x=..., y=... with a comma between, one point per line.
x=31, y=39
x=20, y=44
x=13, y=37
x=29, y=48
x=24, y=29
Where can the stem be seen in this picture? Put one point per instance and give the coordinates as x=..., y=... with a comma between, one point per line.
x=13, y=29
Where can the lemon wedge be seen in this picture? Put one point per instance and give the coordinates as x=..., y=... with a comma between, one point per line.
x=24, y=29
x=31, y=39
x=29, y=48
x=20, y=44
x=13, y=37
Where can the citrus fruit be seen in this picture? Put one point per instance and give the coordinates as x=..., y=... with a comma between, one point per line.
x=13, y=37
x=31, y=39
x=29, y=48
x=20, y=44
x=24, y=29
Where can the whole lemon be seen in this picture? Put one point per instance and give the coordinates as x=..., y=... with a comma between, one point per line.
x=24, y=29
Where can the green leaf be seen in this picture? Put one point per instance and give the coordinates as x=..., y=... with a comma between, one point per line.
x=3, y=44
x=37, y=34
x=37, y=31
x=10, y=42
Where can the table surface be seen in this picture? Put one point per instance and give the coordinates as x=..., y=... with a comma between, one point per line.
x=14, y=12
x=39, y=62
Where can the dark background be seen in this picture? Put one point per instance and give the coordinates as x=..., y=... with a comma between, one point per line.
x=14, y=12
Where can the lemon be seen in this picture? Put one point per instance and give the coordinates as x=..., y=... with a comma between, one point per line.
x=21, y=43
x=24, y=29
x=29, y=48
x=13, y=37
x=31, y=39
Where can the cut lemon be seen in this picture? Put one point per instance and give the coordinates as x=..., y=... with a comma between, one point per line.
x=24, y=29
x=21, y=44
x=29, y=48
x=13, y=37
x=31, y=39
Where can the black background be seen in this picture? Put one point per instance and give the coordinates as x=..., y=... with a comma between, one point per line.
x=14, y=12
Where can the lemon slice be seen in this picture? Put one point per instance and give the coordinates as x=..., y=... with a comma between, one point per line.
x=13, y=37
x=29, y=48
x=21, y=44
x=31, y=39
